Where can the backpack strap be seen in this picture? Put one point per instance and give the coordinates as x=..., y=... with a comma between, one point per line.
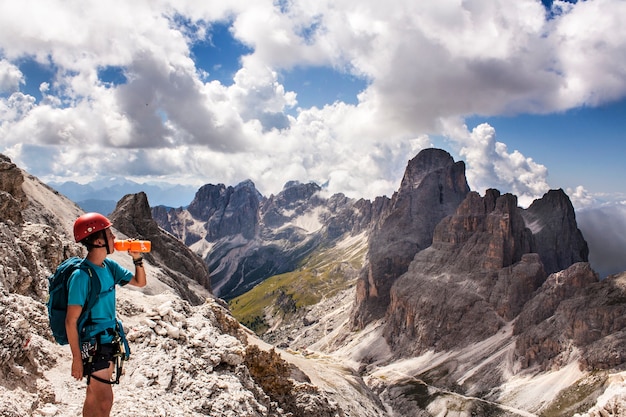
x=104, y=381
x=94, y=291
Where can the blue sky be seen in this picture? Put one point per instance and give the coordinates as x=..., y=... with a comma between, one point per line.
x=530, y=94
x=219, y=56
x=583, y=146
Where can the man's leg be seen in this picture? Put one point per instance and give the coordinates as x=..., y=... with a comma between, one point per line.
x=99, y=399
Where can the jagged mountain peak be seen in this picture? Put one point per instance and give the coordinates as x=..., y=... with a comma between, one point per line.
x=432, y=188
x=296, y=190
x=246, y=184
x=552, y=221
x=425, y=162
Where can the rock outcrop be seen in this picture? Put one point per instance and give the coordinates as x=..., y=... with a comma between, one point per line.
x=227, y=211
x=484, y=265
x=12, y=198
x=30, y=245
x=557, y=237
x=432, y=188
x=132, y=216
x=574, y=314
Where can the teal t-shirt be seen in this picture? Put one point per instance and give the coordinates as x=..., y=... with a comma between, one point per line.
x=103, y=312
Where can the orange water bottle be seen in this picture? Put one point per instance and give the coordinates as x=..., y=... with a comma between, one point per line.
x=133, y=245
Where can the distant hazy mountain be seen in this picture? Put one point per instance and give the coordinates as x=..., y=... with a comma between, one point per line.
x=105, y=207
x=106, y=192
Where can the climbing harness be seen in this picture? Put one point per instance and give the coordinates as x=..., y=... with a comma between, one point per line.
x=117, y=352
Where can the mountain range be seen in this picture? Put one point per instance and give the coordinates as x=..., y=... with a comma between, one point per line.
x=102, y=195
x=436, y=301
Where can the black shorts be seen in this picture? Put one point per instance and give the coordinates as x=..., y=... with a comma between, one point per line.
x=101, y=359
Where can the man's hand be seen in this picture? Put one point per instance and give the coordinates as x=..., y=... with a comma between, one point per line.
x=77, y=368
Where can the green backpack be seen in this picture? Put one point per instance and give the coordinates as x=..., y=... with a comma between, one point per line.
x=57, y=299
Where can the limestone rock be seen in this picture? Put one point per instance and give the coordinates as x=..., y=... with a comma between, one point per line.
x=227, y=211
x=12, y=197
x=573, y=309
x=478, y=274
x=432, y=188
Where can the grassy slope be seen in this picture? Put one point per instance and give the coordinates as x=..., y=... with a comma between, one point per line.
x=324, y=273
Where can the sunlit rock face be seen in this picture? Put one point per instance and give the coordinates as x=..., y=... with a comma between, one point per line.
x=245, y=238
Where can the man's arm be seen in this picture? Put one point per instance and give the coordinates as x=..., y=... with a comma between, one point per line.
x=71, y=328
x=139, y=279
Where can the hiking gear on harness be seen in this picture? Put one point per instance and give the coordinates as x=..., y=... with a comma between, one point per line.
x=97, y=356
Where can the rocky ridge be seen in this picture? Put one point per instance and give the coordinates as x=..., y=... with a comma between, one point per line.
x=482, y=294
x=246, y=238
x=187, y=359
x=545, y=343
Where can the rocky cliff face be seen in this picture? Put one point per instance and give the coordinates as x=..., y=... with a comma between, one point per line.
x=30, y=246
x=245, y=238
x=574, y=314
x=557, y=237
x=432, y=187
x=12, y=198
x=483, y=266
x=227, y=211
x=486, y=269
x=190, y=360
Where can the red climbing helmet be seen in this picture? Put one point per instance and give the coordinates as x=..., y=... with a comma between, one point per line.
x=88, y=224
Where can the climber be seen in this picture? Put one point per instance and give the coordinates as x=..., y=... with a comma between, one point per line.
x=96, y=344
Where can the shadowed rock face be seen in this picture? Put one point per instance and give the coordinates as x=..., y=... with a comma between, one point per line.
x=227, y=211
x=484, y=265
x=557, y=237
x=574, y=309
x=432, y=188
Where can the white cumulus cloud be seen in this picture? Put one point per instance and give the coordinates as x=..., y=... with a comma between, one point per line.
x=427, y=67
